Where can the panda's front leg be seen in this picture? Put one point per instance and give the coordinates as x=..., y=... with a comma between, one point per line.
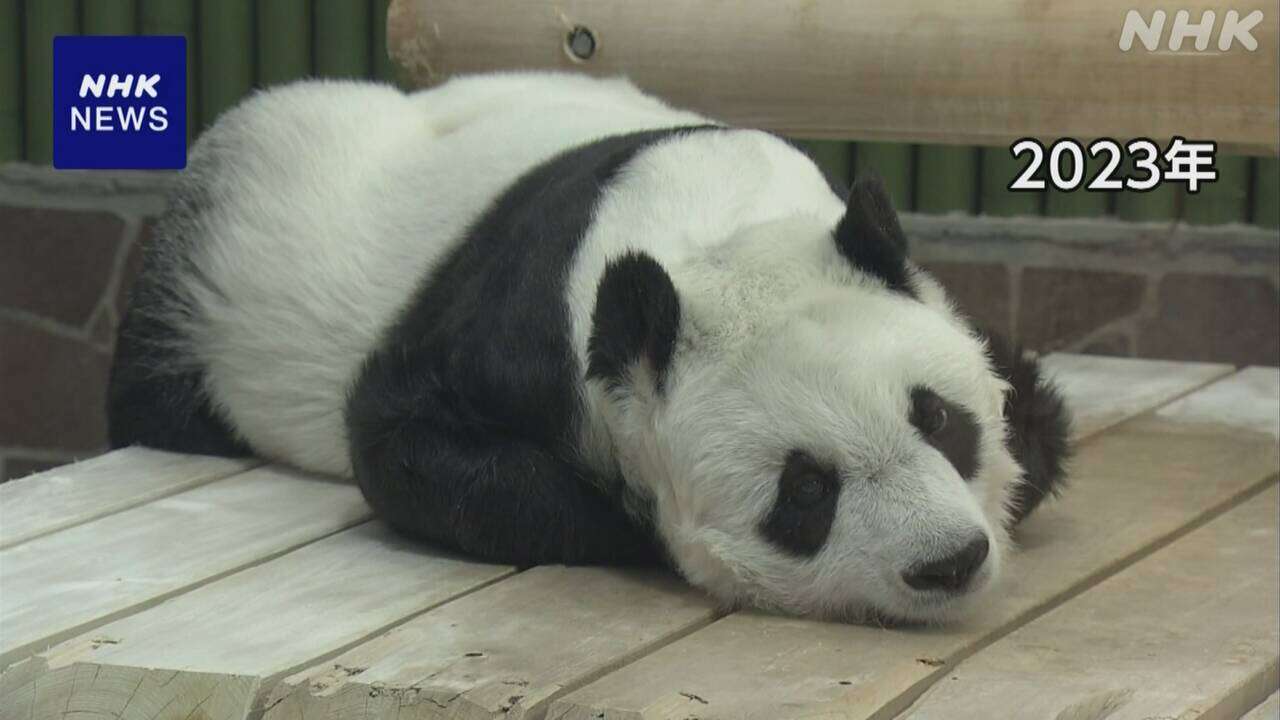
x=486, y=492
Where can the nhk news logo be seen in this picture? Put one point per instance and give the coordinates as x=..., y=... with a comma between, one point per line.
x=119, y=102
x=1150, y=32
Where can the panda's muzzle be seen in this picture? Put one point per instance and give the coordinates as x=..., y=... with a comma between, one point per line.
x=952, y=573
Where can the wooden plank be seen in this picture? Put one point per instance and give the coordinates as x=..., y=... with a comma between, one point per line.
x=342, y=38
x=1226, y=200
x=915, y=71
x=1248, y=400
x=1206, y=643
x=73, y=494
x=999, y=168
x=284, y=41
x=505, y=651
x=1102, y=391
x=231, y=638
x=226, y=56
x=1132, y=488
x=44, y=21
x=10, y=80
x=61, y=585
x=1268, y=709
x=946, y=179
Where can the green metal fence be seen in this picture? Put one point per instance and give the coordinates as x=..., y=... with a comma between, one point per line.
x=942, y=179
x=236, y=45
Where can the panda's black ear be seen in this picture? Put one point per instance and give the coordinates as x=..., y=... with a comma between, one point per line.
x=636, y=319
x=870, y=237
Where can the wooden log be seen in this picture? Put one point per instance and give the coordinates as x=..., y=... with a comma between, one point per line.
x=43, y=22
x=60, y=585
x=946, y=179
x=1079, y=203
x=73, y=494
x=834, y=159
x=504, y=651
x=342, y=38
x=1268, y=709
x=1102, y=391
x=1191, y=631
x=1225, y=200
x=226, y=56
x=284, y=41
x=999, y=168
x=230, y=639
x=108, y=17
x=917, y=70
x=1266, y=193
x=892, y=163
x=1132, y=489
x=11, y=96
x=1160, y=204
x=176, y=17
x=383, y=68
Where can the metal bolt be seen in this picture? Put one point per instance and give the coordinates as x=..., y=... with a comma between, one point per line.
x=581, y=43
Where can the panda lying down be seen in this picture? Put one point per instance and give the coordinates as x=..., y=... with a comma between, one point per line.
x=548, y=319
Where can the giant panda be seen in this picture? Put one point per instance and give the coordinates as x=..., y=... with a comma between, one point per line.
x=544, y=318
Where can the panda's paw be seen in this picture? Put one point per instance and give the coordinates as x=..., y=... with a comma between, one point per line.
x=1039, y=427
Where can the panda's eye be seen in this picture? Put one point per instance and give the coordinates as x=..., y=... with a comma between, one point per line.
x=804, y=483
x=805, y=506
x=928, y=412
x=936, y=421
x=810, y=489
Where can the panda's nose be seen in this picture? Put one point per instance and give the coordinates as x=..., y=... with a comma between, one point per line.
x=951, y=573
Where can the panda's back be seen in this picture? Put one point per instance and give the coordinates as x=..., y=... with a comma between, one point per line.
x=310, y=215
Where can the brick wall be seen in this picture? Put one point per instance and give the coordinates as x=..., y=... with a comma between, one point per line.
x=68, y=249
x=69, y=245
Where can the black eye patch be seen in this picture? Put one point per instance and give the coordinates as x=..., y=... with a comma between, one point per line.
x=948, y=427
x=802, y=513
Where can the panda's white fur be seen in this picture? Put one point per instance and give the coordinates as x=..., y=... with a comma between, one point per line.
x=324, y=204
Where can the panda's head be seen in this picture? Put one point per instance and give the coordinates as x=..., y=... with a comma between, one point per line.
x=819, y=433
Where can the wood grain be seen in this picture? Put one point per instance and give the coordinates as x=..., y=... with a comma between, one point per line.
x=1247, y=400
x=230, y=638
x=916, y=70
x=504, y=651
x=1133, y=488
x=1191, y=631
x=60, y=585
x=77, y=493
x=1102, y=391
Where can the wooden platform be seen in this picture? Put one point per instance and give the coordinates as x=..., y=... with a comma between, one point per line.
x=148, y=585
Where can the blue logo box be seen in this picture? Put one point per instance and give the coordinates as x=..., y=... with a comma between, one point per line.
x=120, y=102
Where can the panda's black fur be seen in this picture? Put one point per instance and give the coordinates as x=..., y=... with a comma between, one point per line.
x=463, y=423
x=1039, y=426
x=491, y=319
